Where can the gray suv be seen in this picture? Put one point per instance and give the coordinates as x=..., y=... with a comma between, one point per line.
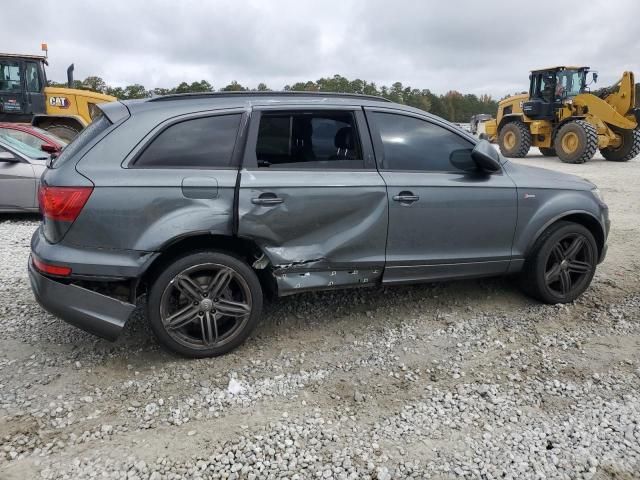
x=208, y=202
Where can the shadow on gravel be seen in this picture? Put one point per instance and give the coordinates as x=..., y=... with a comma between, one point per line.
x=20, y=217
x=319, y=313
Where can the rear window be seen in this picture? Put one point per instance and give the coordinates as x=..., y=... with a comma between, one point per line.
x=206, y=142
x=94, y=129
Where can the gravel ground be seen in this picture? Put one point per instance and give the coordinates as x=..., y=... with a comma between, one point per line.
x=462, y=379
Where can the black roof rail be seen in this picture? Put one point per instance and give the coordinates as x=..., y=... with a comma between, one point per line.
x=185, y=96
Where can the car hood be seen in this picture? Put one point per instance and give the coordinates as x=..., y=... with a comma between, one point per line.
x=525, y=176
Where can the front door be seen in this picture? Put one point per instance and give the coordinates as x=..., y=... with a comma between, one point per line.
x=34, y=88
x=311, y=197
x=13, y=99
x=17, y=184
x=444, y=221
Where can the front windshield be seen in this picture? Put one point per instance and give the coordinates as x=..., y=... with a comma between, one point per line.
x=23, y=148
x=569, y=83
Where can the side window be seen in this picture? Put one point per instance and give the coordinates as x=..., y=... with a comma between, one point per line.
x=33, y=78
x=10, y=76
x=198, y=143
x=321, y=139
x=413, y=144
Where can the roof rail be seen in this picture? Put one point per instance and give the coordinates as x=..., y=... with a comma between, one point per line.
x=185, y=96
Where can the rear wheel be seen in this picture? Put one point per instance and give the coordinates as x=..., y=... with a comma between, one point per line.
x=548, y=152
x=204, y=304
x=514, y=139
x=561, y=264
x=629, y=146
x=65, y=132
x=576, y=142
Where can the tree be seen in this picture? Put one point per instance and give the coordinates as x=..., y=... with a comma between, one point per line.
x=233, y=87
x=95, y=84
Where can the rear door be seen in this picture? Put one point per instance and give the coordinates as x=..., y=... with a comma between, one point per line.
x=311, y=197
x=444, y=221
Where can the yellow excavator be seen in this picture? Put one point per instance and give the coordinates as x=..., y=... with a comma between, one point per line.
x=561, y=116
x=26, y=98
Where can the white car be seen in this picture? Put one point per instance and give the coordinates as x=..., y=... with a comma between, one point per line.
x=20, y=169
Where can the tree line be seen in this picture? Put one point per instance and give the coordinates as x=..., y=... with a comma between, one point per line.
x=453, y=106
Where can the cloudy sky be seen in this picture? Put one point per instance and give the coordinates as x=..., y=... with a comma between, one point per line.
x=471, y=46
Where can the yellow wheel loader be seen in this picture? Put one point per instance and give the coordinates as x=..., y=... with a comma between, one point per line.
x=562, y=117
x=26, y=98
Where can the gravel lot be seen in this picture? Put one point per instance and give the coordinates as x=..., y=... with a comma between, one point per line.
x=463, y=379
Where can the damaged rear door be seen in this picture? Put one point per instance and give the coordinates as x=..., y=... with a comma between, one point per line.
x=311, y=198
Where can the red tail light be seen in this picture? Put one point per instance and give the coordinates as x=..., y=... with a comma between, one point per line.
x=63, y=204
x=50, y=269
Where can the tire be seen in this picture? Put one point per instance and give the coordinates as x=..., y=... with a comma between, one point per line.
x=65, y=132
x=576, y=142
x=200, y=329
x=545, y=272
x=630, y=147
x=514, y=139
x=548, y=152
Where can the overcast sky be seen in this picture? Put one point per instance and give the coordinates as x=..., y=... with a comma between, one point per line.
x=471, y=46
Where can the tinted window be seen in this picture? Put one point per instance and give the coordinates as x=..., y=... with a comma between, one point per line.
x=413, y=144
x=10, y=76
x=201, y=142
x=33, y=78
x=308, y=140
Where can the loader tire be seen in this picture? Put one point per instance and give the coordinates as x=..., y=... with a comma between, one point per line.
x=548, y=151
x=628, y=149
x=514, y=139
x=576, y=142
x=65, y=132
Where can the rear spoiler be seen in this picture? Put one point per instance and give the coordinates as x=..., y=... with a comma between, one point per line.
x=114, y=111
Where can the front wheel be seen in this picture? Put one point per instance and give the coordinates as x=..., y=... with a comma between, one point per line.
x=576, y=142
x=562, y=264
x=629, y=146
x=65, y=132
x=514, y=139
x=204, y=304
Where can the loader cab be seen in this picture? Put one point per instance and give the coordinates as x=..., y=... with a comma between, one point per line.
x=22, y=82
x=550, y=88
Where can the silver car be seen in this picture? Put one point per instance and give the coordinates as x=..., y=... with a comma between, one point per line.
x=21, y=167
x=207, y=203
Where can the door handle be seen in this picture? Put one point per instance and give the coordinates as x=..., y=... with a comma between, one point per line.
x=406, y=197
x=267, y=199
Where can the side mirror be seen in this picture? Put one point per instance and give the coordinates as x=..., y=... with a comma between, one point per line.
x=45, y=147
x=8, y=157
x=486, y=157
x=595, y=77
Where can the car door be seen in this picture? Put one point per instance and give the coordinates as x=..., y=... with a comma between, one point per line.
x=311, y=197
x=34, y=88
x=17, y=182
x=444, y=221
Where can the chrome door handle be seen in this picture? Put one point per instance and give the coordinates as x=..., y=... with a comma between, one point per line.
x=406, y=197
x=267, y=199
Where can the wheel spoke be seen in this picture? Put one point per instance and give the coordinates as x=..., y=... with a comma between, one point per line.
x=553, y=274
x=577, y=266
x=230, y=308
x=565, y=282
x=209, y=329
x=182, y=317
x=558, y=252
x=220, y=282
x=575, y=247
x=189, y=288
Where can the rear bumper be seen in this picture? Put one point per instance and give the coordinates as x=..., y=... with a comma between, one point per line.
x=91, y=311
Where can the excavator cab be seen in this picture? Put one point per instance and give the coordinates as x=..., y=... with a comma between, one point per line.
x=550, y=88
x=22, y=83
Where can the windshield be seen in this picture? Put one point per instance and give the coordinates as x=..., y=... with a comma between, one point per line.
x=569, y=83
x=23, y=148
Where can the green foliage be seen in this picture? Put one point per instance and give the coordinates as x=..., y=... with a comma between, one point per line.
x=453, y=106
